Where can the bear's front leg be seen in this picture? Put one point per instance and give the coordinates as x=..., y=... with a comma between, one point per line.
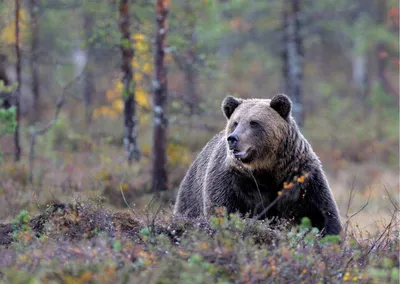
x=318, y=195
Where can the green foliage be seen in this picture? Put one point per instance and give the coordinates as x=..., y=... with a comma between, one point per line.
x=7, y=89
x=360, y=132
x=22, y=219
x=7, y=120
x=330, y=239
x=21, y=229
x=146, y=231
x=305, y=223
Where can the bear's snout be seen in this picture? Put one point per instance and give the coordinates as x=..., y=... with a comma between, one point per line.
x=233, y=139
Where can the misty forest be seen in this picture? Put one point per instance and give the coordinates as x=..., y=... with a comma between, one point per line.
x=104, y=105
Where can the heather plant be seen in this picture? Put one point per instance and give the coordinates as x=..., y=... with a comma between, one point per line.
x=83, y=242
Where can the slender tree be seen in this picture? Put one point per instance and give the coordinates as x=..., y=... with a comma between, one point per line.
x=89, y=86
x=17, y=146
x=34, y=11
x=130, y=125
x=381, y=51
x=160, y=100
x=359, y=57
x=292, y=57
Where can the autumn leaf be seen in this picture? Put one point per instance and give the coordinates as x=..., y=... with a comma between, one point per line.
x=301, y=179
x=288, y=185
x=7, y=34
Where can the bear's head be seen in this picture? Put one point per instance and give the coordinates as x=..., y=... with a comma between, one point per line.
x=255, y=129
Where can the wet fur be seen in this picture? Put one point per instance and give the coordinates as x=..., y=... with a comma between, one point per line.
x=216, y=179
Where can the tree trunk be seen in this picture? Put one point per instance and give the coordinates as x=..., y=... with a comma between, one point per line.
x=17, y=146
x=128, y=93
x=292, y=57
x=88, y=89
x=160, y=101
x=382, y=53
x=359, y=60
x=34, y=56
x=360, y=74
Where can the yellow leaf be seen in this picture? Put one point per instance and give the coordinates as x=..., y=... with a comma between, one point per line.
x=7, y=34
x=147, y=68
x=138, y=37
x=142, y=98
x=118, y=105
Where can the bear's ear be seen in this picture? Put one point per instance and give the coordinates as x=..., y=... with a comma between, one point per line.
x=282, y=105
x=229, y=104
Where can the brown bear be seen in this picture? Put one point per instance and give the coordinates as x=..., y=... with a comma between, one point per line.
x=260, y=165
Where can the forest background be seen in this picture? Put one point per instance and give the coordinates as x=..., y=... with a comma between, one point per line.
x=89, y=96
x=343, y=79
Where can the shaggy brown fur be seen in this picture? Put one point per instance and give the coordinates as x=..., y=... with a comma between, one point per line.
x=246, y=166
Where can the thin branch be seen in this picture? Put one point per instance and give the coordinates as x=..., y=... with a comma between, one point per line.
x=387, y=228
x=351, y=196
x=40, y=131
x=362, y=208
x=394, y=203
x=122, y=193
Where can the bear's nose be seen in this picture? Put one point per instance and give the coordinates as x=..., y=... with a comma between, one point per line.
x=232, y=141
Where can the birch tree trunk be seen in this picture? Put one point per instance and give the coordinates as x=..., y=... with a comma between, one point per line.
x=128, y=93
x=360, y=74
x=292, y=57
x=160, y=121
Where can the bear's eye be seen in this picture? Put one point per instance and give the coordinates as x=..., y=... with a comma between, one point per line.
x=234, y=124
x=254, y=123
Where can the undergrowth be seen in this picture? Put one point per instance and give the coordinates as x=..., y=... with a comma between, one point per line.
x=86, y=243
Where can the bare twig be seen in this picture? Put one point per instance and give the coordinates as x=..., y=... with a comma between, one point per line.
x=122, y=193
x=351, y=196
x=134, y=213
x=378, y=240
x=394, y=203
x=362, y=208
x=347, y=224
x=40, y=131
